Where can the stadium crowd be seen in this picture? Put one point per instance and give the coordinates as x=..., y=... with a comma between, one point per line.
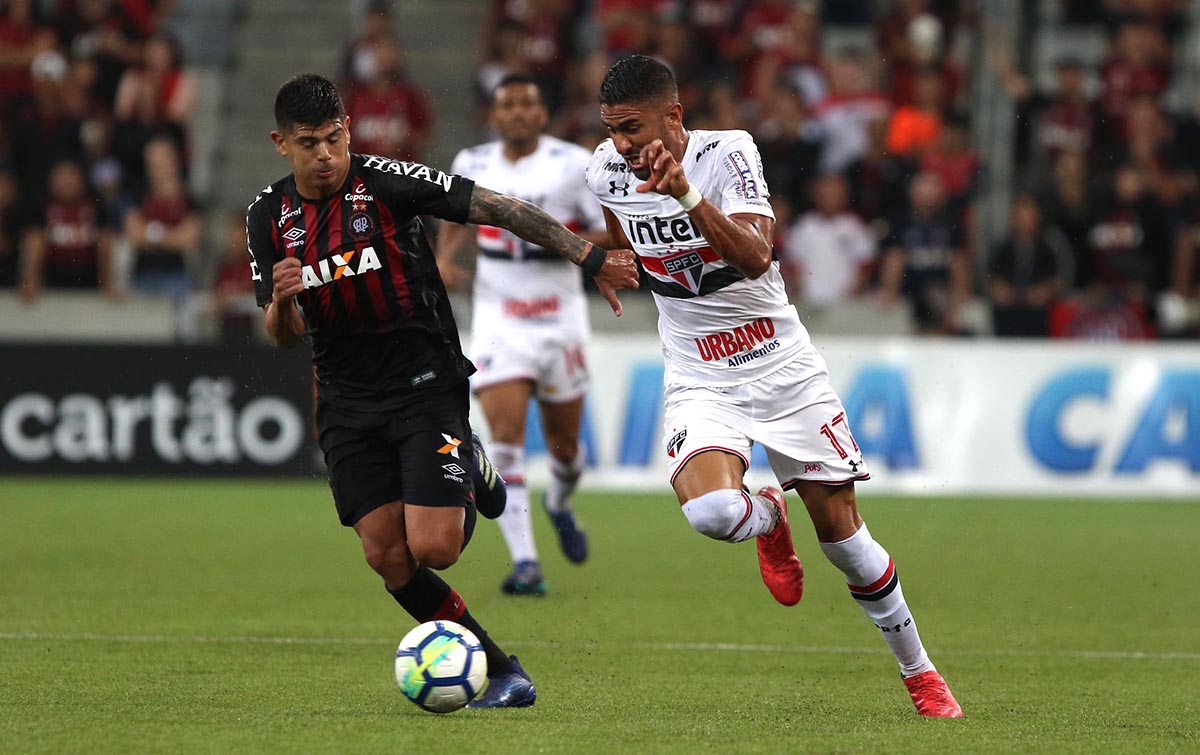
x=861, y=110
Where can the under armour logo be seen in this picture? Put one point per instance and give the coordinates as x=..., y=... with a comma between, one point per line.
x=623, y=188
x=854, y=466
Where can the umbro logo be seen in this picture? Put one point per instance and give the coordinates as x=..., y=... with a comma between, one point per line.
x=454, y=469
x=294, y=234
x=613, y=188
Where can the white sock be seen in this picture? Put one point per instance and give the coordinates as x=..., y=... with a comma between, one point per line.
x=731, y=515
x=515, y=523
x=564, y=477
x=874, y=584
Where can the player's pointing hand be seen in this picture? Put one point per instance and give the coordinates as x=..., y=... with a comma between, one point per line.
x=666, y=174
x=618, y=271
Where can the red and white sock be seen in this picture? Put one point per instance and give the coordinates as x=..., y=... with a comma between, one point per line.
x=515, y=523
x=875, y=585
x=564, y=477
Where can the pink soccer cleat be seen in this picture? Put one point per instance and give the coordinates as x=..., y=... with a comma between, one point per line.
x=932, y=697
x=781, y=570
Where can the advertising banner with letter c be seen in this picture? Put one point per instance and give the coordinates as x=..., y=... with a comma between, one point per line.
x=934, y=416
x=154, y=410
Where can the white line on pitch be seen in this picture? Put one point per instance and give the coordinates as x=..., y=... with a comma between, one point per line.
x=731, y=647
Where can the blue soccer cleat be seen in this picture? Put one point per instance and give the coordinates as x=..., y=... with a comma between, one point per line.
x=571, y=539
x=513, y=689
x=526, y=579
x=491, y=496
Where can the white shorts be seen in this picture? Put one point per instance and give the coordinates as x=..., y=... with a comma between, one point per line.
x=554, y=361
x=794, y=413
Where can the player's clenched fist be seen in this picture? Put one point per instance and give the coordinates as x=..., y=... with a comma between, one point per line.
x=618, y=271
x=287, y=277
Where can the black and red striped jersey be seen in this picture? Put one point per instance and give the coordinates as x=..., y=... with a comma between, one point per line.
x=374, y=303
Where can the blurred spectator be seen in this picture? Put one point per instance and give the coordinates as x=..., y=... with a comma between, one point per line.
x=844, y=116
x=1069, y=205
x=238, y=315
x=788, y=145
x=68, y=244
x=915, y=37
x=165, y=228
x=925, y=259
x=714, y=25
x=879, y=181
x=103, y=32
x=627, y=26
x=1129, y=251
x=1046, y=124
x=389, y=114
x=1150, y=146
x=22, y=37
x=10, y=228
x=955, y=163
x=154, y=98
x=1026, y=273
x=829, y=254
x=1138, y=65
x=765, y=33
x=1100, y=315
x=791, y=53
x=358, y=59
x=538, y=36
x=914, y=127
x=44, y=131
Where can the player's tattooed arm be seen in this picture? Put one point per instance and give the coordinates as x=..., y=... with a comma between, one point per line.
x=526, y=220
x=610, y=269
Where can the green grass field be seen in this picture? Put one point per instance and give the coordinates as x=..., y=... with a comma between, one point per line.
x=186, y=616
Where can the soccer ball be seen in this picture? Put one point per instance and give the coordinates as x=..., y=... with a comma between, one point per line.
x=440, y=666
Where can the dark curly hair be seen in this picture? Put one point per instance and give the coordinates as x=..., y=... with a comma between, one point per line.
x=638, y=79
x=308, y=100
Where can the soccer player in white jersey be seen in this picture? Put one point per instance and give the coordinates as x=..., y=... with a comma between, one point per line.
x=529, y=324
x=740, y=367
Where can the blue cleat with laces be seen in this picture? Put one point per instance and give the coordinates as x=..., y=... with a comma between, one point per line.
x=526, y=579
x=511, y=689
x=571, y=539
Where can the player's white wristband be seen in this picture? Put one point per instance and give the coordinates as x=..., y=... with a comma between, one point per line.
x=690, y=200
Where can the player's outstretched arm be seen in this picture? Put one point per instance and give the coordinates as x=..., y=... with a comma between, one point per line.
x=611, y=269
x=743, y=240
x=285, y=324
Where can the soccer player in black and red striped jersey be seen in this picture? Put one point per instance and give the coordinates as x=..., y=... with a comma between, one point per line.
x=338, y=253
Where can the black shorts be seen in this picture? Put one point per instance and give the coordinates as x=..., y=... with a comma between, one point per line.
x=418, y=454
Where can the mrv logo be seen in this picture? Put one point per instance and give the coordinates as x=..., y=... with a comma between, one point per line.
x=203, y=426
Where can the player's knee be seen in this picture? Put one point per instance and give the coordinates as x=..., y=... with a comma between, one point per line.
x=509, y=461
x=390, y=559
x=438, y=552
x=716, y=514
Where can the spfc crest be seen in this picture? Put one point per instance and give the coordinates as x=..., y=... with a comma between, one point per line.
x=686, y=268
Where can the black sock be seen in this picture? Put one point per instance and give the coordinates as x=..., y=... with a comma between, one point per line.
x=427, y=597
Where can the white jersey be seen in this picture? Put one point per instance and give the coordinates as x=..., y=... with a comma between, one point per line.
x=516, y=281
x=717, y=327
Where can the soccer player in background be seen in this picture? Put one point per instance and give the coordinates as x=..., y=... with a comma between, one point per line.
x=338, y=253
x=529, y=324
x=740, y=368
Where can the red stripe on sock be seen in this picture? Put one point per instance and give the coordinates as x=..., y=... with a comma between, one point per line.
x=452, y=608
x=877, y=584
